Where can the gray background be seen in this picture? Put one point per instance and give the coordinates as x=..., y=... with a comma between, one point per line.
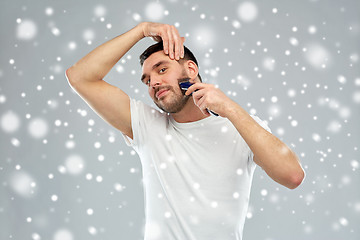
x=65, y=174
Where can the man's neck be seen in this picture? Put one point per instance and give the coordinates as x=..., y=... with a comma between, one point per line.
x=190, y=113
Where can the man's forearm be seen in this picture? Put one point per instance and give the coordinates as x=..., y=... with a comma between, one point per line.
x=275, y=157
x=95, y=65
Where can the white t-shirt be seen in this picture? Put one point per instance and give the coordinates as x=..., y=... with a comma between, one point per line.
x=197, y=176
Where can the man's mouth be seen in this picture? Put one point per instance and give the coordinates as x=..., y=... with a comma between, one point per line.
x=160, y=93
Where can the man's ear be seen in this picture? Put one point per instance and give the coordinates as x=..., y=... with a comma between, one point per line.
x=191, y=69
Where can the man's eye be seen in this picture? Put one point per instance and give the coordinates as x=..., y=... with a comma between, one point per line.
x=162, y=70
x=146, y=82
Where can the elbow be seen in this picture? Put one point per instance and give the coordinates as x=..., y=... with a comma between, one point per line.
x=76, y=76
x=296, y=178
x=73, y=77
x=69, y=77
x=296, y=174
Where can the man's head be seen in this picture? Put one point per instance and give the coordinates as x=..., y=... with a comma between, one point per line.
x=188, y=55
x=163, y=74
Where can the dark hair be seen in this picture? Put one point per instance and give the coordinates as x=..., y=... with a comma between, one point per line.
x=188, y=55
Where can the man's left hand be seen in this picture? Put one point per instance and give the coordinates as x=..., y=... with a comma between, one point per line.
x=208, y=97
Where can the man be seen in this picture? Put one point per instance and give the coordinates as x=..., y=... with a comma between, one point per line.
x=197, y=168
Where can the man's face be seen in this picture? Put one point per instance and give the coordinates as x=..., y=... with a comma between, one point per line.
x=162, y=76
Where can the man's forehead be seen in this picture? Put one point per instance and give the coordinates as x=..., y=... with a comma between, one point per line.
x=153, y=60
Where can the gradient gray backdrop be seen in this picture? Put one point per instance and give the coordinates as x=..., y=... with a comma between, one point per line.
x=65, y=174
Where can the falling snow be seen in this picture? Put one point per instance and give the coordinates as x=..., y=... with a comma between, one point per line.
x=62, y=164
x=247, y=11
x=154, y=11
x=23, y=184
x=26, y=29
x=38, y=128
x=10, y=122
x=63, y=234
x=317, y=55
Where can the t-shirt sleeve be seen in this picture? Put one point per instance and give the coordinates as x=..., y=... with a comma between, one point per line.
x=265, y=126
x=134, y=112
x=141, y=117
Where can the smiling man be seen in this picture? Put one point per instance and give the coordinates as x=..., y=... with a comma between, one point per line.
x=197, y=168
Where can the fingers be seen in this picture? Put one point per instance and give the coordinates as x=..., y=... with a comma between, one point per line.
x=172, y=42
x=199, y=98
x=172, y=39
x=203, y=96
x=196, y=87
x=165, y=44
x=175, y=43
x=182, y=47
x=200, y=102
x=178, y=44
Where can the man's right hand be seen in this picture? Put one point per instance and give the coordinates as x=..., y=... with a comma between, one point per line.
x=169, y=35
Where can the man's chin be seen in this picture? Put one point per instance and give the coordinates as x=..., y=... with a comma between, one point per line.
x=171, y=108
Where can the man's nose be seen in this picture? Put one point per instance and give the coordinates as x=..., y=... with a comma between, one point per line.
x=154, y=82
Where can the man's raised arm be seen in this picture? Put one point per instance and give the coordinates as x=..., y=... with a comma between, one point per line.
x=86, y=76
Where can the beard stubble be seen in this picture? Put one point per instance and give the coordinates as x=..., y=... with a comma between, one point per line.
x=176, y=101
